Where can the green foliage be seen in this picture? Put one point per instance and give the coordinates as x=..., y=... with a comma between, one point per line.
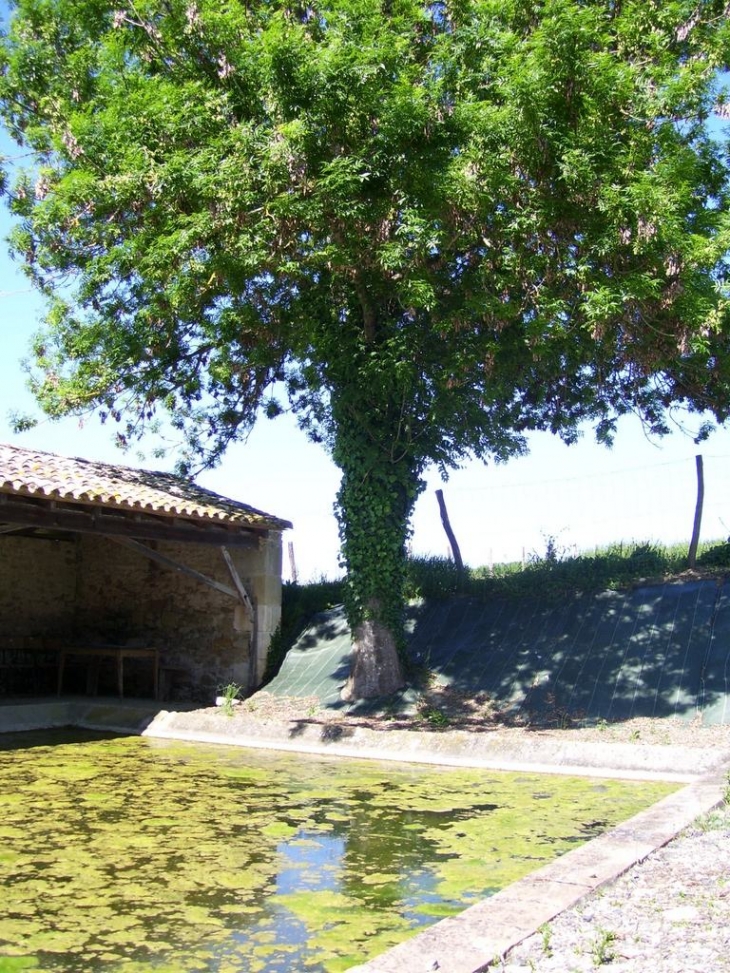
x=434, y=716
x=427, y=229
x=619, y=565
x=435, y=578
x=374, y=503
x=715, y=556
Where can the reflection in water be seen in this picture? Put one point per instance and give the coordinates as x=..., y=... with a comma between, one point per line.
x=135, y=855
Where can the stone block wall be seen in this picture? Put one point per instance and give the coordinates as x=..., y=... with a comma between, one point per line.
x=37, y=595
x=204, y=636
x=95, y=590
x=37, y=586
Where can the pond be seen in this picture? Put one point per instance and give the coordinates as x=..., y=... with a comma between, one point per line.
x=137, y=855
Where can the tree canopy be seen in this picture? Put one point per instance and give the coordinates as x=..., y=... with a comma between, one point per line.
x=426, y=227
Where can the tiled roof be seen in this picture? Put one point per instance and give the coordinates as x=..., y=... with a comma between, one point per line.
x=30, y=473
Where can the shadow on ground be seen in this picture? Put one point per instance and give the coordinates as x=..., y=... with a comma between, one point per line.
x=655, y=651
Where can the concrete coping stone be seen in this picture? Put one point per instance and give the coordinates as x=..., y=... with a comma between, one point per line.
x=453, y=748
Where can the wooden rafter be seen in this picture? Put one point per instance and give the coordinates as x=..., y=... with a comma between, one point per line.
x=54, y=515
x=169, y=562
x=249, y=609
x=240, y=588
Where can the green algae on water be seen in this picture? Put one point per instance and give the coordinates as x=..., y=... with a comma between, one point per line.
x=131, y=855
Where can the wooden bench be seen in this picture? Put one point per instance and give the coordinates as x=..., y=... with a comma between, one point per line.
x=116, y=652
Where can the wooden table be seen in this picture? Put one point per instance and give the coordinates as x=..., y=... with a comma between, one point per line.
x=117, y=652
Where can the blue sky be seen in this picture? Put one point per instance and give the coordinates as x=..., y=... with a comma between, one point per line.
x=583, y=495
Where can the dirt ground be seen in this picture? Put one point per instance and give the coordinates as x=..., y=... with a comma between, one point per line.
x=440, y=709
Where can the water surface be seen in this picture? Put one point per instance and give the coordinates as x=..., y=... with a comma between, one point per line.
x=127, y=854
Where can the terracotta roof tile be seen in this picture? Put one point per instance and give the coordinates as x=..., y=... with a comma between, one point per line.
x=37, y=474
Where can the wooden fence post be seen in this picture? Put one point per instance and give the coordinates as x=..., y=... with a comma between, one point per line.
x=449, y=532
x=692, y=555
x=292, y=563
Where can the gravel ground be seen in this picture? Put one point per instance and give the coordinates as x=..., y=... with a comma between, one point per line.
x=668, y=914
x=442, y=710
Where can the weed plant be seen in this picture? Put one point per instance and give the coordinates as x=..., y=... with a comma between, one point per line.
x=603, y=947
x=230, y=694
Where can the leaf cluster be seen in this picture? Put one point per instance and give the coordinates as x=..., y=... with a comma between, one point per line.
x=504, y=216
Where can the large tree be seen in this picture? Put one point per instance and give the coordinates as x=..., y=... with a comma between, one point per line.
x=427, y=227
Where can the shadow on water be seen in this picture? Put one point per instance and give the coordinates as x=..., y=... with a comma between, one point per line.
x=27, y=739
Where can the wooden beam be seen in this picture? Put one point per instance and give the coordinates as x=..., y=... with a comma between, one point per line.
x=168, y=562
x=249, y=609
x=242, y=593
x=96, y=521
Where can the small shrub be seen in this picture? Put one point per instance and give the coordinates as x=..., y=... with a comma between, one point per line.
x=433, y=716
x=434, y=578
x=717, y=555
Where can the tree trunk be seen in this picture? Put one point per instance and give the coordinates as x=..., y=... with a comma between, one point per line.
x=375, y=669
x=374, y=504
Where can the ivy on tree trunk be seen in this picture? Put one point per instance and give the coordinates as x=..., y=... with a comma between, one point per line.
x=378, y=489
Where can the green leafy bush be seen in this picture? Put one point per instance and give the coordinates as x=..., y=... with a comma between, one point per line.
x=558, y=574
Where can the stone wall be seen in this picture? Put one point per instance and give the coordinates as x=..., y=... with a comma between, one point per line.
x=37, y=595
x=94, y=590
x=37, y=586
x=205, y=637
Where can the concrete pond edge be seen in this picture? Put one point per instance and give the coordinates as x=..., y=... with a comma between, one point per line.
x=482, y=934
x=492, y=750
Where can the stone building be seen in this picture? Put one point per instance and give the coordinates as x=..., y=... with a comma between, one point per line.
x=130, y=582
